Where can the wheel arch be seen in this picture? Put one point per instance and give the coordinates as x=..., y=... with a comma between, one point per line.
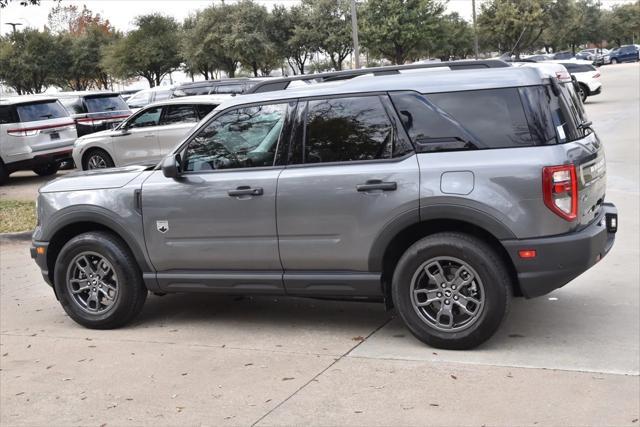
x=83, y=220
x=401, y=233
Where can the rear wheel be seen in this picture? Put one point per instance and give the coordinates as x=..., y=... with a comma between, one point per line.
x=47, y=169
x=583, y=92
x=451, y=290
x=97, y=159
x=614, y=61
x=98, y=281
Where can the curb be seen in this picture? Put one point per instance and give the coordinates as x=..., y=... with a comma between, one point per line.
x=23, y=236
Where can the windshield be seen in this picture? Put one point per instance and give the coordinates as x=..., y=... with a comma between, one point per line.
x=41, y=111
x=100, y=104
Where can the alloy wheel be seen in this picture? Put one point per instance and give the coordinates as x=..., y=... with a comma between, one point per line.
x=96, y=161
x=447, y=294
x=92, y=283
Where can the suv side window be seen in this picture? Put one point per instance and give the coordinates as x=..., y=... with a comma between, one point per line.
x=347, y=129
x=174, y=114
x=204, y=109
x=148, y=118
x=495, y=117
x=240, y=138
x=7, y=115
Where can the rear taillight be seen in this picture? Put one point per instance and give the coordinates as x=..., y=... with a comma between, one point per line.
x=20, y=132
x=560, y=190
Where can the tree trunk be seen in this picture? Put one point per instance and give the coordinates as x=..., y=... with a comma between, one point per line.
x=254, y=66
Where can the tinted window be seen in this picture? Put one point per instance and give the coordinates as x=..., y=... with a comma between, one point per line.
x=99, y=104
x=347, y=129
x=579, y=68
x=494, y=117
x=204, y=109
x=191, y=91
x=6, y=115
x=149, y=117
x=229, y=89
x=73, y=105
x=179, y=114
x=41, y=111
x=551, y=118
x=432, y=129
x=241, y=138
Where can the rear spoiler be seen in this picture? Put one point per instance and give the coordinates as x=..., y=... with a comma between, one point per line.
x=283, y=83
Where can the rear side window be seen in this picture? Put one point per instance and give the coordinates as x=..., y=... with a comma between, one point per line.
x=99, y=104
x=178, y=114
x=347, y=129
x=73, y=105
x=7, y=115
x=204, y=109
x=191, y=91
x=551, y=118
x=41, y=111
x=495, y=117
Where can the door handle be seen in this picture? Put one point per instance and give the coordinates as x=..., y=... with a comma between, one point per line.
x=245, y=191
x=376, y=184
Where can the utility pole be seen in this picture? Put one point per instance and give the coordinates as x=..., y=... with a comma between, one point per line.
x=475, y=29
x=354, y=33
x=13, y=25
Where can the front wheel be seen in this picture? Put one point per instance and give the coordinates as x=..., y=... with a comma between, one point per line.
x=47, y=169
x=98, y=281
x=452, y=290
x=614, y=61
x=582, y=91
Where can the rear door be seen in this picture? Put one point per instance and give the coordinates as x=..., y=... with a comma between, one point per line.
x=137, y=142
x=351, y=172
x=176, y=121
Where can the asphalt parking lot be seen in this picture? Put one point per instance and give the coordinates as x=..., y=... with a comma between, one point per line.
x=569, y=358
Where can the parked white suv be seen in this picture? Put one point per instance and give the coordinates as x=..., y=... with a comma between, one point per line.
x=587, y=76
x=36, y=133
x=147, y=96
x=146, y=136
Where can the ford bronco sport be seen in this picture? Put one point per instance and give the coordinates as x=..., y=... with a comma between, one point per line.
x=442, y=193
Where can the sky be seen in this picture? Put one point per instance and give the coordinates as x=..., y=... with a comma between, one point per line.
x=122, y=12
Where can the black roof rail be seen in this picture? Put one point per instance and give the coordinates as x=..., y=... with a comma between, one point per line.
x=283, y=82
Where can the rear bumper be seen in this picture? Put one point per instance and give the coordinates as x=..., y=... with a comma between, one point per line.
x=561, y=259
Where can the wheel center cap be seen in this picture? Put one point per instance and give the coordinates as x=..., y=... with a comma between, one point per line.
x=447, y=293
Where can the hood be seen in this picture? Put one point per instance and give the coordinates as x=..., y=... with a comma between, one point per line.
x=96, y=179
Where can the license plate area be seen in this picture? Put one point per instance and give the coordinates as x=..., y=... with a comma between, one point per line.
x=54, y=135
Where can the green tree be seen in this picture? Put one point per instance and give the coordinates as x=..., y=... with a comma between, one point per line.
x=292, y=35
x=330, y=24
x=513, y=26
x=30, y=60
x=251, y=38
x=622, y=24
x=4, y=3
x=455, y=38
x=150, y=51
x=399, y=30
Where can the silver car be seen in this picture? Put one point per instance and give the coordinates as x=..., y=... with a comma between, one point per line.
x=146, y=136
x=441, y=193
x=36, y=133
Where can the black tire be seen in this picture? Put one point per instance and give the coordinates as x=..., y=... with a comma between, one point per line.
x=584, y=92
x=4, y=173
x=614, y=61
x=131, y=294
x=47, y=169
x=100, y=155
x=495, y=283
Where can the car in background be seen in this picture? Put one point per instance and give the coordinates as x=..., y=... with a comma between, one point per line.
x=147, y=96
x=126, y=94
x=146, y=136
x=562, y=55
x=586, y=75
x=208, y=87
x=94, y=111
x=626, y=53
x=36, y=133
x=595, y=55
x=539, y=57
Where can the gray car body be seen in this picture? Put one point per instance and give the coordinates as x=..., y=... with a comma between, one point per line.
x=311, y=233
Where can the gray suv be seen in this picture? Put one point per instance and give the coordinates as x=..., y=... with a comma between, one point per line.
x=442, y=193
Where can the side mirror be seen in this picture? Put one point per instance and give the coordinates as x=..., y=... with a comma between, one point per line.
x=171, y=166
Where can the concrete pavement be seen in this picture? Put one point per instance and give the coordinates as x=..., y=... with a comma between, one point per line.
x=569, y=358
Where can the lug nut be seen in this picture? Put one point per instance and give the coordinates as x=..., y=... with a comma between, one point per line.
x=455, y=297
x=439, y=294
x=447, y=302
x=453, y=287
x=444, y=285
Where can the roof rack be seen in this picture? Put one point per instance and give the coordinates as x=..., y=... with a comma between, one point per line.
x=283, y=83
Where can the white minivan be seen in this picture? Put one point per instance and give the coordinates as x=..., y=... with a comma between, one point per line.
x=146, y=136
x=36, y=133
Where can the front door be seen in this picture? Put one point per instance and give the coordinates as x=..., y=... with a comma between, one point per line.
x=214, y=227
x=138, y=140
x=354, y=174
